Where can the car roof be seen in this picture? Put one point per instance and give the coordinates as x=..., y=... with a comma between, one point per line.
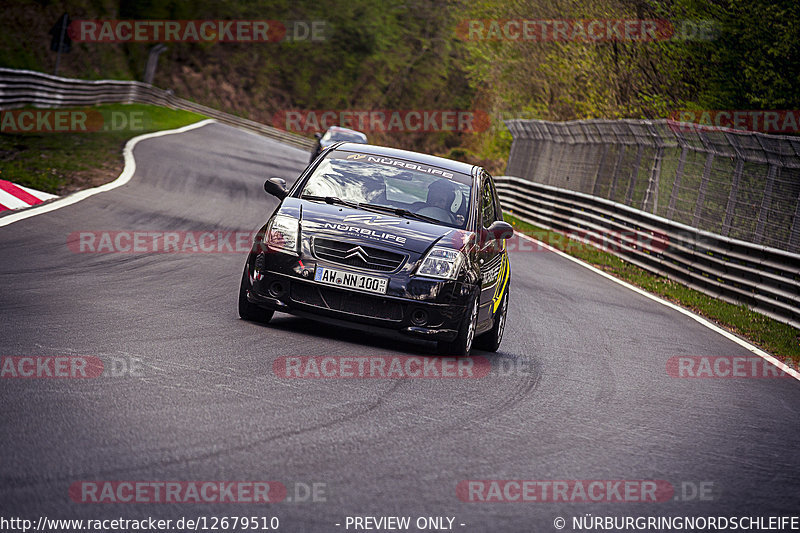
x=384, y=151
x=339, y=129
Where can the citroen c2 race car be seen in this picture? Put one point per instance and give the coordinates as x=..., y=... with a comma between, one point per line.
x=377, y=238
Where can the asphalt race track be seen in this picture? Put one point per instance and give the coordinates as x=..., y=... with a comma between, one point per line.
x=579, y=390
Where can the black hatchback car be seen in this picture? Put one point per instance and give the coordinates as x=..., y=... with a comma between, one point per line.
x=378, y=238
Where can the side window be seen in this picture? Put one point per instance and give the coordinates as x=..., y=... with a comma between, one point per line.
x=487, y=202
x=498, y=208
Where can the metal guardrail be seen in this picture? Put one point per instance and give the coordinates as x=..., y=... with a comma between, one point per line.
x=20, y=88
x=764, y=279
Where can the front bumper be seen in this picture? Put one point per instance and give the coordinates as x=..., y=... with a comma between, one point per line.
x=417, y=307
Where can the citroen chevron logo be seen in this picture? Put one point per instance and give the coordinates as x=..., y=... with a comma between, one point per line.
x=357, y=252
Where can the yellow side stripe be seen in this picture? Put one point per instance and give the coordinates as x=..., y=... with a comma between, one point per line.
x=501, y=286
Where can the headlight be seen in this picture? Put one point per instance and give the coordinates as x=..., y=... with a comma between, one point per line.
x=441, y=263
x=283, y=234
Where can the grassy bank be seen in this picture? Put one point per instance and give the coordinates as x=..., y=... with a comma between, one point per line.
x=773, y=336
x=61, y=162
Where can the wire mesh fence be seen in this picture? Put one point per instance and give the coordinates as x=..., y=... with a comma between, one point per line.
x=742, y=185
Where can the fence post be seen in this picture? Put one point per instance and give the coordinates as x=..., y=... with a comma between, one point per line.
x=794, y=234
x=515, y=148
x=729, y=208
x=766, y=201
x=530, y=129
x=737, y=175
x=774, y=163
x=599, y=168
x=617, y=164
x=634, y=174
x=701, y=193
x=655, y=171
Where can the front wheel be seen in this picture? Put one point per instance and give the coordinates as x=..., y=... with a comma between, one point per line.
x=490, y=341
x=248, y=310
x=462, y=345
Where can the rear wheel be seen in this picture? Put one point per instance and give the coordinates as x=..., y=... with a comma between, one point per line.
x=248, y=310
x=490, y=341
x=462, y=345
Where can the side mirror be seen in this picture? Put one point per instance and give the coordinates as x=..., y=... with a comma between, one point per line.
x=318, y=136
x=276, y=187
x=501, y=230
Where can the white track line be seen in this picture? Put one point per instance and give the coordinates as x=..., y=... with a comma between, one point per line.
x=125, y=177
x=728, y=335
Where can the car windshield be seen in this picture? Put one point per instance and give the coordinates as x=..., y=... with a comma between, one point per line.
x=419, y=189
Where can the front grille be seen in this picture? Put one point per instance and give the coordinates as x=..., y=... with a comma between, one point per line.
x=346, y=301
x=358, y=256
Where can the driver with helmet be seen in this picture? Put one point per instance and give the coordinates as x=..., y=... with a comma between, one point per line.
x=441, y=194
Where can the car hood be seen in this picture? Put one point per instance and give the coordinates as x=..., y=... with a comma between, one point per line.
x=371, y=227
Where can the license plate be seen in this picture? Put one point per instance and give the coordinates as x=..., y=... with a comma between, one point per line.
x=349, y=280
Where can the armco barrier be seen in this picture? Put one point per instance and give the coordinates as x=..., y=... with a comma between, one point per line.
x=764, y=279
x=19, y=88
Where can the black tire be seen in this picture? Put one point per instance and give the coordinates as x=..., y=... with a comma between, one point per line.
x=490, y=341
x=248, y=310
x=462, y=344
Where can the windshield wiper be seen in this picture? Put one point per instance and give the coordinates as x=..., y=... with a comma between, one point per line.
x=401, y=212
x=329, y=200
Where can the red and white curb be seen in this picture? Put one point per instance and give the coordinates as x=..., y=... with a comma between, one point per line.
x=13, y=196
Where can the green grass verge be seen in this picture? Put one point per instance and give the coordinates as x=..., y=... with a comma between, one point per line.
x=62, y=162
x=773, y=336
